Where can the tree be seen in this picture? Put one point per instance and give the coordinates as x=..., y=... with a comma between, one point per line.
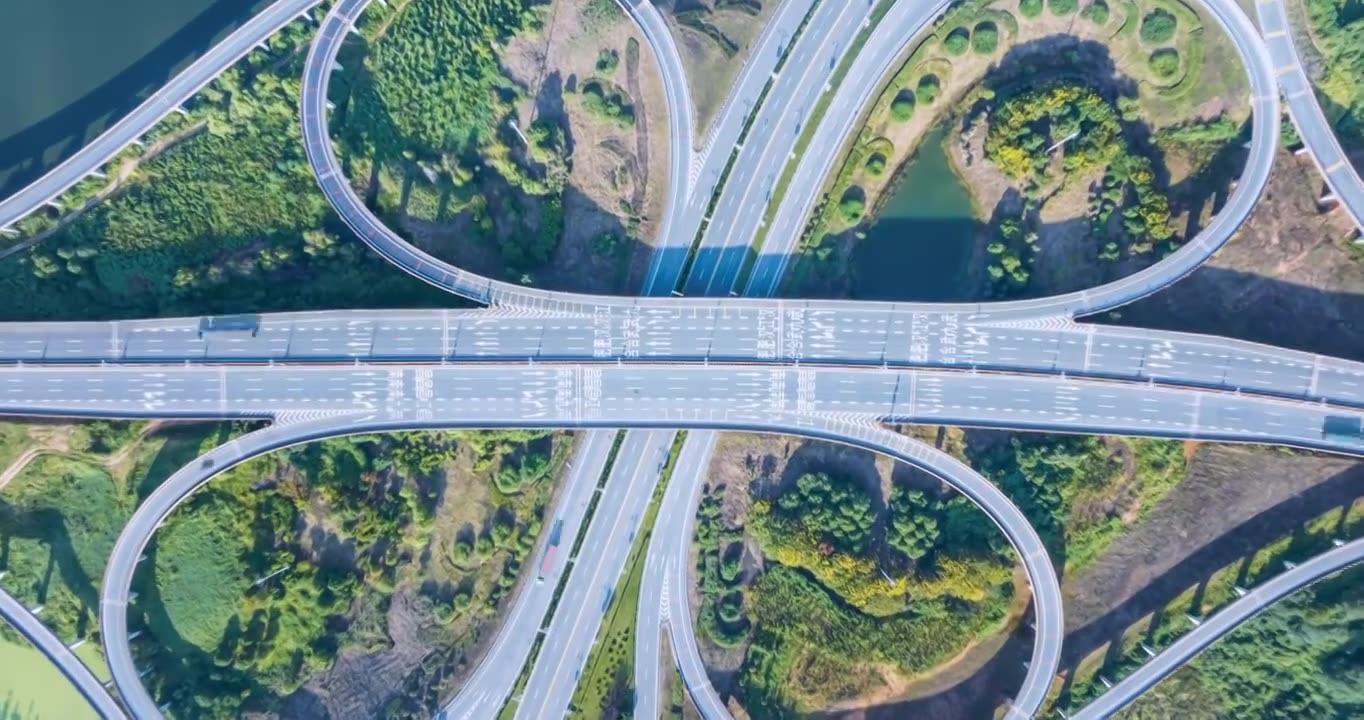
x=913, y=523
x=1165, y=62
x=1030, y=8
x=985, y=39
x=1158, y=26
x=852, y=206
x=1095, y=12
x=1063, y=7
x=956, y=41
x=902, y=109
x=833, y=508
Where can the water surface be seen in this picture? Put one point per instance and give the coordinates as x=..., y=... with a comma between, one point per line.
x=72, y=67
x=919, y=247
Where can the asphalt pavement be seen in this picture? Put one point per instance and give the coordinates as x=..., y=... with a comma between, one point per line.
x=1315, y=130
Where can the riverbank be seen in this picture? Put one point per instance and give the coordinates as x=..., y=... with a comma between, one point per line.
x=80, y=65
x=978, y=51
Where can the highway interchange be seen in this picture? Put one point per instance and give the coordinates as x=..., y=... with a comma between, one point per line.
x=611, y=362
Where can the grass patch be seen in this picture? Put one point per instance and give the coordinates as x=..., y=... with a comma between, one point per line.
x=608, y=678
x=33, y=688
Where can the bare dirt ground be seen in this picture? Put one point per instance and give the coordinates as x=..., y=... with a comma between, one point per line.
x=1290, y=277
x=403, y=635
x=711, y=69
x=619, y=174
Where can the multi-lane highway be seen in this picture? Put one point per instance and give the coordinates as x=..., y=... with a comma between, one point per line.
x=482, y=397
x=144, y=117
x=1210, y=630
x=66, y=661
x=314, y=402
x=670, y=354
x=495, y=676
x=1313, y=127
x=587, y=595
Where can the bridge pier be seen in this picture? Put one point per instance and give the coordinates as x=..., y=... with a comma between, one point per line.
x=1289, y=564
x=1328, y=200
x=1194, y=619
x=336, y=66
x=98, y=173
x=36, y=610
x=1337, y=542
x=54, y=205
x=1301, y=150
x=76, y=644
x=1150, y=651
x=132, y=596
x=9, y=230
x=1240, y=591
x=134, y=634
x=1107, y=684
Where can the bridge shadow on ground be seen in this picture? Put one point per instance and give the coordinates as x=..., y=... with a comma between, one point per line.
x=67, y=130
x=1254, y=307
x=1149, y=607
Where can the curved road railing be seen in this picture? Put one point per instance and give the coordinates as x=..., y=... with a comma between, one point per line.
x=132, y=542
x=135, y=124
x=1217, y=626
x=394, y=248
x=1313, y=127
x=66, y=661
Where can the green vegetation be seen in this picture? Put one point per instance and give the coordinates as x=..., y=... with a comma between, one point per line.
x=294, y=605
x=876, y=165
x=1063, y=484
x=599, y=14
x=1062, y=7
x=1298, y=659
x=722, y=616
x=34, y=689
x=215, y=224
x=1096, y=12
x=806, y=637
x=263, y=578
x=852, y=207
x=607, y=61
x=1158, y=26
x=831, y=597
x=443, y=142
x=902, y=108
x=1025, y=130
x=957, y=41
x=1165, y=62
x=985, y=38
x=1030, y=8
x=608, y=103
x=1338, y=33
x=604, y=690
x=928, y=88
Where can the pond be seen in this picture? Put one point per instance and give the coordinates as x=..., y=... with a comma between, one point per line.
x=72, y=67
x=920, y=246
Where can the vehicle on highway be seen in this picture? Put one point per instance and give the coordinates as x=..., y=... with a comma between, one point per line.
x=220, y=324
x=547, y=563
x=1343, y=428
